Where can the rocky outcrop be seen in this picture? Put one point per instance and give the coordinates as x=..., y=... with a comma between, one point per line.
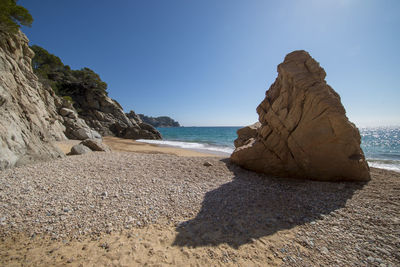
x=162, y=121
x=246, y=134
x=96, y=145
x=89, y=145
x=28, y=116
x=79, y=149
x=133, y=117
x=75, y=127
x=106, y=116
x=303, y=130
x=88, y=93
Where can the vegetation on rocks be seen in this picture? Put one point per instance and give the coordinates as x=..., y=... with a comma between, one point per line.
x=64, y=81
x=12, y=16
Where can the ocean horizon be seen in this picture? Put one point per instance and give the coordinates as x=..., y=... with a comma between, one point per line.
x=381, y=145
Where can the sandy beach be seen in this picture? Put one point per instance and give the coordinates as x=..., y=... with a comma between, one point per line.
x=128, y=145
x=143, y=204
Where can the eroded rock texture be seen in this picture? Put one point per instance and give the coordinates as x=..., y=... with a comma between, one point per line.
x=28, y=115
x=303, y=130
x=107, y=117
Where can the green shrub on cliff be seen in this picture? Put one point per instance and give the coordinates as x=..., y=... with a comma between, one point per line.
x=12, y=16
x=64, y=81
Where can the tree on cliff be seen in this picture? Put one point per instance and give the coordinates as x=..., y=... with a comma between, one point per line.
x=12, y=16
x=44, y=62
x=64, y=81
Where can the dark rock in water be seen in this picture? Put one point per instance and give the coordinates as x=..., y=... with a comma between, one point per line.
x=28, y=116
x=79, y=149
x=162, y=121
x=303, y=130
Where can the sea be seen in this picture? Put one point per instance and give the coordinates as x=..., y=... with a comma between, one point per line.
x=381, y=145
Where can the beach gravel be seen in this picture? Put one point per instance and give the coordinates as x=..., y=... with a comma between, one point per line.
x=218, y=212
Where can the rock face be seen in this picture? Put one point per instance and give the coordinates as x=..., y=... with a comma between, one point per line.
x=303, y=130
x=28, y=115
x=88, y=94
x=106, y=116
x=75, y=127
x=162, y=121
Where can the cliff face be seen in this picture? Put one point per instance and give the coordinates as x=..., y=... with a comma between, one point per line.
x=106, y=116
x=28, y=114
x=162, y=121
x=89, y=97
x=303, y=130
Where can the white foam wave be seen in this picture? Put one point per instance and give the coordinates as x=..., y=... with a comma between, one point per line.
x=383, y=164
x=192, y=146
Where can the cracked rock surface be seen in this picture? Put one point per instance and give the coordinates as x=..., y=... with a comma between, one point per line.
x=303, y=130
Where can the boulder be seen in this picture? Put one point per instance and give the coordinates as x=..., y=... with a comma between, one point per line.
x=303, y=131
x=79, y=149
x=84, y=133
x=96, y=145
x=65, y=112
x=246, y=134
x=75, y=127
x=29, y=120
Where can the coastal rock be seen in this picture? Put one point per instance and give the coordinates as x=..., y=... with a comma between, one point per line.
x=162, y=121
x=79, y=149
x=133, y=117
x=75, y=127
x=65, y=112
x=96, y=145
x=303, y=132
x=28, y=115
x=106, y=116
x=144, y=131
x=88, y=95
x=246, y=134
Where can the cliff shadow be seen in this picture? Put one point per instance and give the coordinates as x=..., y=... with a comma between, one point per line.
x=255, y=205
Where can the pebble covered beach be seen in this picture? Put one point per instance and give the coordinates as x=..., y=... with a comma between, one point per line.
x=124, y=208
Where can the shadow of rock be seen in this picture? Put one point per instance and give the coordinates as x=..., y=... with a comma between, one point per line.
x=255, y=205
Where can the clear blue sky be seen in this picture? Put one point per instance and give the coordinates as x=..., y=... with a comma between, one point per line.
x=209, y=62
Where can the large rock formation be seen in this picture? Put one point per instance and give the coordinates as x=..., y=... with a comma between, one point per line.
x=75, y=127
x=163, y=121
x=106, y=116
x=28, y=115
x=303, y=130
x=88, y=93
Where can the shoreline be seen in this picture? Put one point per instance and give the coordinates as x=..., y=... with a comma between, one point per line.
x=127, y=145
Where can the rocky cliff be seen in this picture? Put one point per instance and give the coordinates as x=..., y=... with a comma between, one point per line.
x=162, y=121
x=303, y=130
x=106, y=116
x=89, y=97
x=29, y=118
